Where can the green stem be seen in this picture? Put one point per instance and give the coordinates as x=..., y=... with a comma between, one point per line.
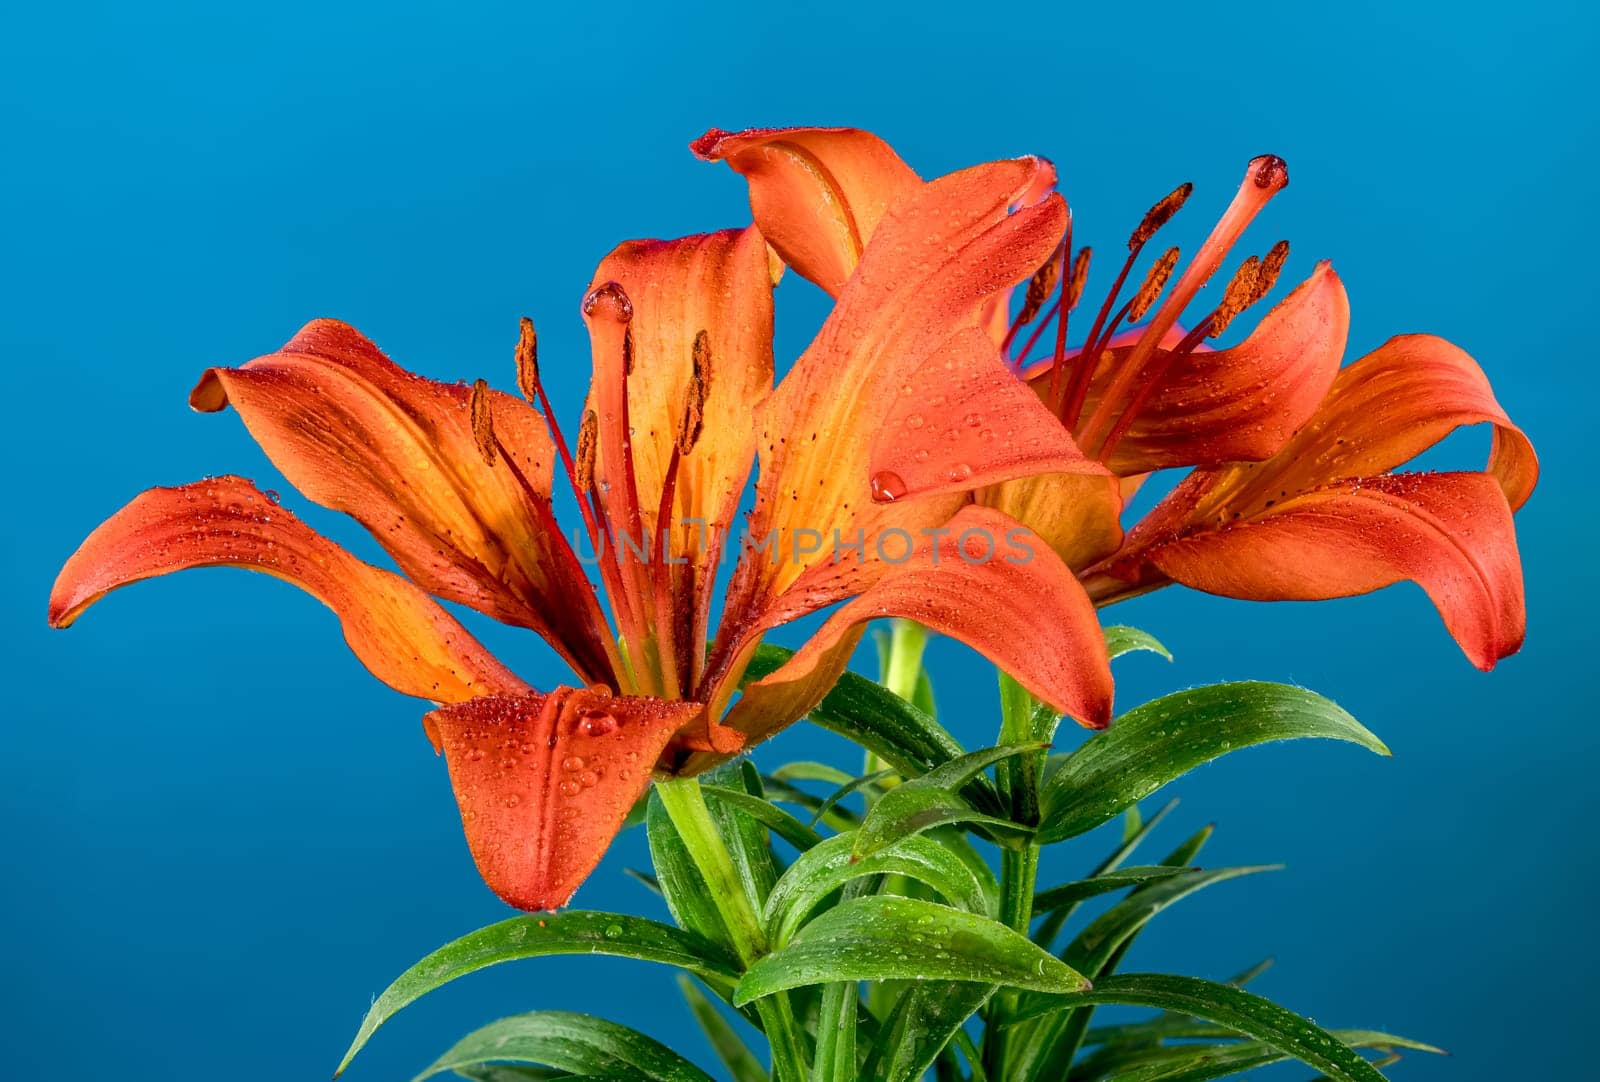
x=686, y=806
x=1019, y=868
x=907, y=640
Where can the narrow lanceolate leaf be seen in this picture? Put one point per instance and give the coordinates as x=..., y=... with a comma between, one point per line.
x=768, y=815
x=1099, y=942
x=1201, y=1063
x=740, y=1061
x=579, y=1044
x=874, y=717
x=510, y=1072
x=1072, y=893
x=828, y=866
x=1242, y=1012
x=687, y=897
x=741, y=817
x=923, y=1022
x=570, y=932
x=882, y=937
x=835, y=1057
x=1121, y=639
x=866, y=781
x=906, y=811
x=1152, y=744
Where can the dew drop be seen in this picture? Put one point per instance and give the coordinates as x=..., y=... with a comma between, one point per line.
x=960, y=471
x=572, y=762
x=598, y=724
x=887, y=486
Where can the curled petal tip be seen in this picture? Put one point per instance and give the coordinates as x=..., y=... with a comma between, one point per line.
x=706, y=147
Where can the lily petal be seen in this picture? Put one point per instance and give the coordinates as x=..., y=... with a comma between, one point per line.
x=985, y=580
x=544, y=782
x=1451, y=533
x=356, y=433
x=906, y=394
x=1382, y=411
x=1237, y=404
x=1079, y=517
x=817, y=194
x=714, y=290
x=396, y=630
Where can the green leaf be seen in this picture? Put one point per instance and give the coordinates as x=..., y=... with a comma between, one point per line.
x=1152, y=744
x=1132, y=836
x=909, y=810
x=506, y=1072
x=742, y=815
x=1095, y=945
x=1075, y=892
x=578, y=1043
x=768, y=815
x=683, y=888
x=1201, y=1063
x=569, y=932
x=924, y=1020
x=806, y=770
x=831, y=864
x=956, y=773
x=881, y=937
x=835, y=1059
x=846, y=789
x=880, y=721
x=740, y=1061
x=1240, y=1011
x=781, y=792
x=1121, y=639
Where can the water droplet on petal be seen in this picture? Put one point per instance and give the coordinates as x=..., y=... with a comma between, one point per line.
x=960, y=471
x=915, y=420
x=598, y=724
x=572, y=762
x=887, y=486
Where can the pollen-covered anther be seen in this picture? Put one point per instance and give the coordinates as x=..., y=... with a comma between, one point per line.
x=1241, y=294
x=1155, y=280
x=694, y=415
x=1080, y=275
x=1271, y=264
x=1040, y=286
x=701, y=357
x=528, y=360
x=1159, y=215
x=483, y=421
x=583, y=468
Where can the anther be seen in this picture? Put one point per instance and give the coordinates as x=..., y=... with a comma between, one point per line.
x=627, y=352
x=1040, y=286
x=528, y=360
x=1241, y=294
x=702, y=357
x=584, y=468
x=1271, y=264
x=1080, y=275
x=1159, y=215
x=483, y=421
x=1155, y=280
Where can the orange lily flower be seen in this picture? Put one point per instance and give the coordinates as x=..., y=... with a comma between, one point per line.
x=1293, y=495
x=455, y=483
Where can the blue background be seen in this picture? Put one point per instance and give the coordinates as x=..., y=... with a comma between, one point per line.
x=222, y=837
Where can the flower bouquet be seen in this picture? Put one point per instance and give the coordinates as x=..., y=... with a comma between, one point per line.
x=956, y=452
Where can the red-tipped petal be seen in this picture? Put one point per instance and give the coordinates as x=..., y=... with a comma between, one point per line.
x=397, y=631
x=357, y=433
x=817, y=194
x=1451, y=533
x=545, y=781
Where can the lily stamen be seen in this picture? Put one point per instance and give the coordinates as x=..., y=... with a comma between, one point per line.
x=1265, y=177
